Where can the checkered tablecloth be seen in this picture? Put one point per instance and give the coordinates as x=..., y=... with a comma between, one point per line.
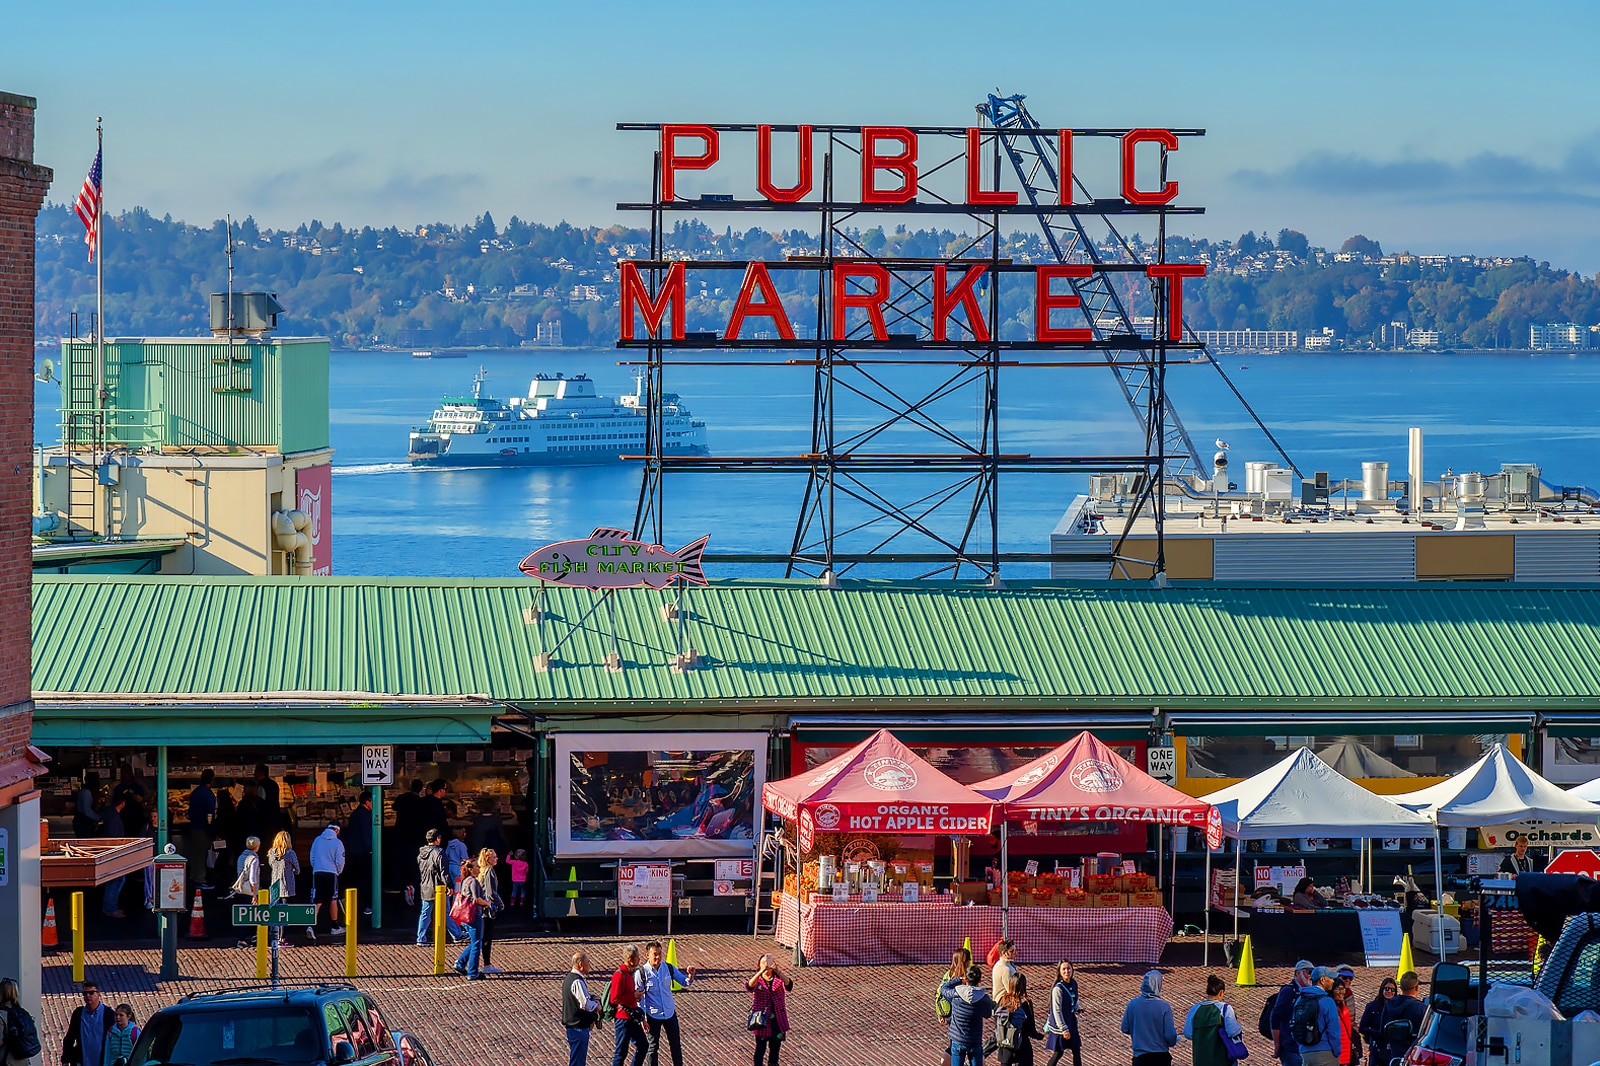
x=875, y=934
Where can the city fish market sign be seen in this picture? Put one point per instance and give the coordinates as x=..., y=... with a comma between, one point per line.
x=613, y=559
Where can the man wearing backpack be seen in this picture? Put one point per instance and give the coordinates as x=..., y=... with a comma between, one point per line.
x=1314, y=1025
x=1283, y=1044
x=969, y=1006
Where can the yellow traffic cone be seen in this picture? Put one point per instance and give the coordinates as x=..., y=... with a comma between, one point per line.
x=1247, y=967
x=572, y=875
x=672, y=959
x=1407, y=964
x=967, y=946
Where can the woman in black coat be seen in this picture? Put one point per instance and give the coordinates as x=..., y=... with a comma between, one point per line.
x=1371, y=1025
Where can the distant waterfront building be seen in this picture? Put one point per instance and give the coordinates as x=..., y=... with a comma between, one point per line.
x=549, y=334
x=1250, y=340
x=1557, y=335
x=1393, y=335
x=1423, y=338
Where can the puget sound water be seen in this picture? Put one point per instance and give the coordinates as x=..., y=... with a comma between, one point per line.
x=1330, y=411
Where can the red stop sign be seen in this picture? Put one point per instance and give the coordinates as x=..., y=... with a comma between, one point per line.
x=1576, y=861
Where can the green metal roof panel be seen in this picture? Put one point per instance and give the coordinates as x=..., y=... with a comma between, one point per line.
x=935, y=644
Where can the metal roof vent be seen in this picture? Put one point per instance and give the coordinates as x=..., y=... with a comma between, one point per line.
x=253, y=313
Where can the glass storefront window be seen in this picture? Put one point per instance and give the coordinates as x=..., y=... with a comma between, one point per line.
x=658, y=795
x=1577, y=751
x=1367, y=756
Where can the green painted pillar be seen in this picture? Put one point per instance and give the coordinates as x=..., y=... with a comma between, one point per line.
x=539, y=811
x=377, y=857
x=163, y=822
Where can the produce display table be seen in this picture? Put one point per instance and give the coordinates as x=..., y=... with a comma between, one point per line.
x=875, y=934
x=1280, y=938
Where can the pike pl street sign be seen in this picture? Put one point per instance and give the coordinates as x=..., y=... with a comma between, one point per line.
x=274, y=914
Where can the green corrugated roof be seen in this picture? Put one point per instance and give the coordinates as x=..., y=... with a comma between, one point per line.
x=796, y=645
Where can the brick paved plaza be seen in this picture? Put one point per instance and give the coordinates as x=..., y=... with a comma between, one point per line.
x=852, y=1016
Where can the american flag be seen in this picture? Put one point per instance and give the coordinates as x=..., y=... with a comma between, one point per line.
x=88, y=205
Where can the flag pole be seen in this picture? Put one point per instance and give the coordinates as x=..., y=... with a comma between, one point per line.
x=100, y=318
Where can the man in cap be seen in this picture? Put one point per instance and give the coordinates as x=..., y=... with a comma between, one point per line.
x=1314, y=1026
x=1283, y=1044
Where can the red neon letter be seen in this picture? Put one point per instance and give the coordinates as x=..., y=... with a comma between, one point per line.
x=1174, y=273
x=671, y=161
x=945, y=302
x=871, y=301
x=764, y=167
x=904, y=164
x=1130, y=184
x=756, y=277
x=1064, y=177
x=976, y=195
x=1045, y=301
x=634, y=294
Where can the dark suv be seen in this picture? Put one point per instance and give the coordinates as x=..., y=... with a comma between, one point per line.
x=320, y=1025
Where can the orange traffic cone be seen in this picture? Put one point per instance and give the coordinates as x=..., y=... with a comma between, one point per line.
x=197, y=918
x=50, y=939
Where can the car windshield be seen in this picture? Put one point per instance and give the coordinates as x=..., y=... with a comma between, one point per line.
x=275, y=1036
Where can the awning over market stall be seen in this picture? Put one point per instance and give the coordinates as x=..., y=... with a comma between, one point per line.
x=878, y=786
x=1302, y=796
x=1084, y=780
x=1495, y=790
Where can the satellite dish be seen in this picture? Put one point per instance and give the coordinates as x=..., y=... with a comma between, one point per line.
x=47, y=371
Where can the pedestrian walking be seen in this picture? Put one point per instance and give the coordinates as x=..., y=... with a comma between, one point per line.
x=1315, y=1022
x=1283, y=1013
x=488, y=877
x=1147, y=1021
x=467, y=910
x=1406, y=1007
x=327, y=863
x=969, y=1006
x=579, y=1010
x=121, y=1037
x=1002, y=968
x=1371, y=1025
x=622, y=1003
x=519, y=877
x=357, y=840
x=1349, y=1037
x=248, y=881
x=85, y=809
x=431, y=876
x=456, y=853
x=769, y=1009
x=1015, y=1029
x=653, y=983
x=1212, y=1027
x=84, y=1043
x=20, y=1044
x=1061, y=1027
x=202, y=823
x=960, y=963
x=283, y=866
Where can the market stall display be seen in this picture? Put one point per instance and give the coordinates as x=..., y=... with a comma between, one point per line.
x=867, y=895
x=1300, y=796
x=1496, y=789
x=1083, y=780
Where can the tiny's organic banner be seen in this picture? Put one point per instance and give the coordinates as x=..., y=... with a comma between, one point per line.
x=613, y=559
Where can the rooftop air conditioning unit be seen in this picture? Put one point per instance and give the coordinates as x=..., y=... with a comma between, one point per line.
x=254, y=313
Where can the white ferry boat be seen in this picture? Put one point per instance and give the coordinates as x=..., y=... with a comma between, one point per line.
x=562, y=421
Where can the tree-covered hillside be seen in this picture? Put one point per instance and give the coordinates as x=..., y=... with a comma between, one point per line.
x=443, y=284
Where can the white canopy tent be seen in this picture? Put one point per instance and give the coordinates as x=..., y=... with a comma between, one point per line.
x=1496, y=789
x=1589, y=790
x=1302, y=796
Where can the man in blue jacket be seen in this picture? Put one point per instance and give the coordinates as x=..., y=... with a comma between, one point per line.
x=1283, y=1044
x=1315, y=1026
x=969, y=1006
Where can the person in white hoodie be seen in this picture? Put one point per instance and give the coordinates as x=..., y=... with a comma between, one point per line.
x=327, y=863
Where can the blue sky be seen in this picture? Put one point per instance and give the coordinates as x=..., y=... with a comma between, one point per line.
x=1438, y=127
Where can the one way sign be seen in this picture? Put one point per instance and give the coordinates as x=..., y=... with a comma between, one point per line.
x=377, y=764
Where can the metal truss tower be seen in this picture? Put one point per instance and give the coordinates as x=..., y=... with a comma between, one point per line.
x=903, y=471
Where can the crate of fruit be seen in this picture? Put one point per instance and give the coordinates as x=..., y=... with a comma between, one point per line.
x=1101, y=883
x=1149, y=898
x=1140, y=883
x=1105, y=899
x=1072, y=898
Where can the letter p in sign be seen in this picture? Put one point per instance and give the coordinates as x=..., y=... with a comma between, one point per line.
x=377, y=764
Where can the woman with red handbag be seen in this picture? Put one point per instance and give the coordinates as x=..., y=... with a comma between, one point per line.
x=769, y=1009
x=467, y=910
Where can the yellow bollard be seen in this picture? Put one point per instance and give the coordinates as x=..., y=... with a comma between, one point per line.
x=262, y=932
x=349, y=932
x=77, y=938
x=438, y=929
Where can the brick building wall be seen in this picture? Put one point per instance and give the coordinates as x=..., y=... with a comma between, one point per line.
x=22, y=190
